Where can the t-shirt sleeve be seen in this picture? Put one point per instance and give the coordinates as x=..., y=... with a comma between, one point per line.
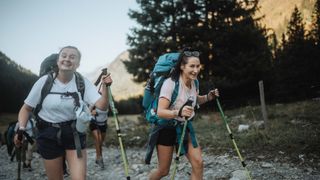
x=34, y=95
x=167, y=89
x=91, y=94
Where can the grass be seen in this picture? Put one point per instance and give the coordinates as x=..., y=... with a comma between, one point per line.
x=292, y=132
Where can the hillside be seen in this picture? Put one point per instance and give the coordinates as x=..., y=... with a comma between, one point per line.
x=15, y=83
x=123, y=86
x=277, y=13
x=276, y=16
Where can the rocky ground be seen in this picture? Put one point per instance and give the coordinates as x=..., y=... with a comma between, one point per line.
x=221, y=167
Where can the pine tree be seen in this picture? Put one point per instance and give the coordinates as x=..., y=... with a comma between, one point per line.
x=293, y=71
x=234, y=48
x=314, y=48
x=314, y=34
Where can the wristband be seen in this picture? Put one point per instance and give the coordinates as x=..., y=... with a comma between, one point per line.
x=175, y=113
x=207, y=98
x=22, y=128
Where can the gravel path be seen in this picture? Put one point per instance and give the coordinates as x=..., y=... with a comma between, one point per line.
x=221, y=167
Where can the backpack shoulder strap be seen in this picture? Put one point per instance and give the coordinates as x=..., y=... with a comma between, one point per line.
x=175, y=92
x=80, y=83
x=196, y=82
x=44, y=92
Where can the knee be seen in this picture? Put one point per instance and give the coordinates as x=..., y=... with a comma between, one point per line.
x=198, y=163
x=163, y=172
x=158, y=174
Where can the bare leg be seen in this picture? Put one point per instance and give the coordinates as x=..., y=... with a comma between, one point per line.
x=102, y=137
x=194, y=156
x=164, y=161
x=97, y=142
x=77, y=166
x=54, y=168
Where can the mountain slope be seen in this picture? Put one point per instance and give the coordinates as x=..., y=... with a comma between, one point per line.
x=123, y=86
x=277, y=13
x=276, y=16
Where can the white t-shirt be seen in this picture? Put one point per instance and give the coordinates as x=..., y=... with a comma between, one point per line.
x=183, y=94
x=56, y=107
x=102, y=115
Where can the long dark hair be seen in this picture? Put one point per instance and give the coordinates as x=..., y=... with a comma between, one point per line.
x=182, y=60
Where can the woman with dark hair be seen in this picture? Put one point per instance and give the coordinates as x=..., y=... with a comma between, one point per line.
x=185, y=73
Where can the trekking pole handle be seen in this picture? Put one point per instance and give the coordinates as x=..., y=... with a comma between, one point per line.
x=188, y=103
x=104, y=72
x=20, y=134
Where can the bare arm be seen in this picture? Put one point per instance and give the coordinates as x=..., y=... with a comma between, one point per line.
x=22, y=120
x=24, y=115
x=201, y=99
x=103, y=102
x=165, y=113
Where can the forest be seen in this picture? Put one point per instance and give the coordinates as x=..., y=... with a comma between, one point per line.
x=237, y=52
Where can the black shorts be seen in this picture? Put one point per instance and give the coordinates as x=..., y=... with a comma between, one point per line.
x=167, y=137
x=103, y=128
x=50, y=147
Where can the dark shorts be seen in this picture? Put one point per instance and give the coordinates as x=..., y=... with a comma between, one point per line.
x=167, y=137
x=50, y=147
x=93, y=126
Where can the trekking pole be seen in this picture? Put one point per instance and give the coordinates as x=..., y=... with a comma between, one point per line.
x=123, y=153
x=232, y=138
x=115, y=112
x=18, y=154
x=176, y=162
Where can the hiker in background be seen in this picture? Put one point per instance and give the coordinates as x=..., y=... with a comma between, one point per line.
x=98, y=128
x=58, y=118
x=27, y=147
x=185, y=73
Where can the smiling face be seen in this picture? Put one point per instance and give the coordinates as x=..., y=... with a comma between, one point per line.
x=191, y=69
x=69, y=59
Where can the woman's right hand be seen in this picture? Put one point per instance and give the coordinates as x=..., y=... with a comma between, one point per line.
x=17, y=140
x=186, y=111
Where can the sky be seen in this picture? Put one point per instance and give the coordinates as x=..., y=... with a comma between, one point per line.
x=31, y=30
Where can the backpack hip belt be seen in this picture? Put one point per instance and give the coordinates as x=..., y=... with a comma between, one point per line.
x=43, y=124
x=170, y=123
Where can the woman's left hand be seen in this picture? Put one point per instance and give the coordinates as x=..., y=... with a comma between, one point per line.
x=106, y=79
x=212, y=94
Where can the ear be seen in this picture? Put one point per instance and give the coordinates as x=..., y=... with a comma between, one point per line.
x=182, y=66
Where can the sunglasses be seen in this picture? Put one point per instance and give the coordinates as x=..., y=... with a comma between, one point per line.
x=191, y=53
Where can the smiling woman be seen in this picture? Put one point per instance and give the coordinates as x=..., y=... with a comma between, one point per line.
x=59, y=114
x=180, y=112
x=69, y=59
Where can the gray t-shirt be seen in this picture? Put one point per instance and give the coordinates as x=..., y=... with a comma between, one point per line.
x=183, y=94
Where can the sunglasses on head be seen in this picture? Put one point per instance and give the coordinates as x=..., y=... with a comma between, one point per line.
x=191, y=53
